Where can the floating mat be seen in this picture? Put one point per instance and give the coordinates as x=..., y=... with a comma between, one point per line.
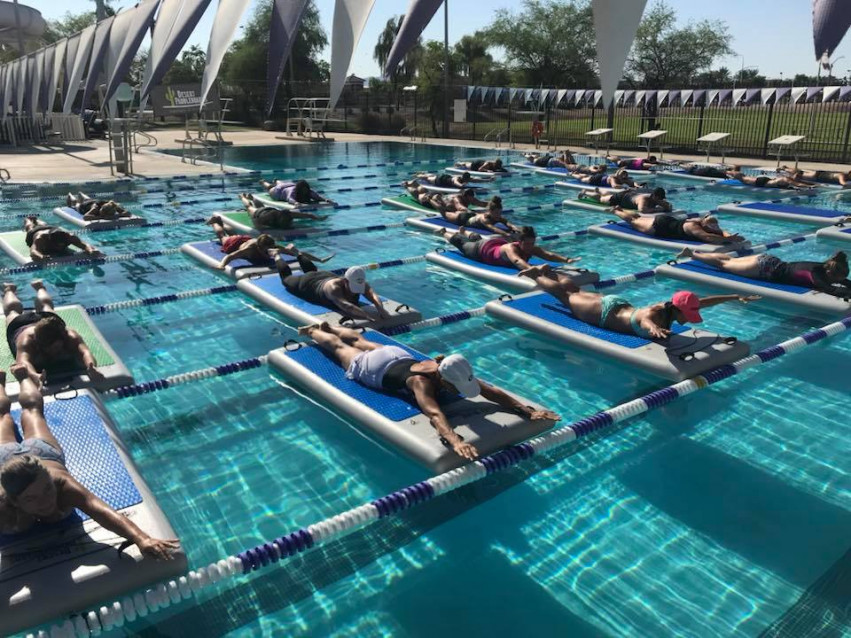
x=447, y=190
x=267, y=200
x=53, y=570
x=726, y=184
x=543, y=170
x=433, y=223
x=14, y=244
x=838, y=233
x=504, y=275
x=269, y=291
x=686, y=175
x=482, y=176
x=578, y=185
x=798, y=295
x=586, y=203
x=686, y=353
x=210, y=254
x=622, y=230
x=406, y=202
x=74, y=217
x=109, y=364
x=396, y=419
x=775, y=210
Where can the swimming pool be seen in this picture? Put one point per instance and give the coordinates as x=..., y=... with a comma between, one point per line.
x=718, y=514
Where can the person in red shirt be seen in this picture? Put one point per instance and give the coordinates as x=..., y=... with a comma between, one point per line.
x=537, y=131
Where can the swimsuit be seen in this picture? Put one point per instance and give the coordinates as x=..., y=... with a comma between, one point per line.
x=669, y=227
x=370, y=367
x=22, y=321
x=596, y=179
x=466, y=217
x=635, y=164
x=234, y=242
x=475, y=165
x=269, y=217
x=53, y=231
x=282, y=191
x=490, y=252
x=310, y=286
x=444, y=181
x=707, y=171
x=34, y=447
x=761, y=181
x=624, y=199
x=610, y=303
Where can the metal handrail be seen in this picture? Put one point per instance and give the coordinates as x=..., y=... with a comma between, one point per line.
x=498, y=135
x=149, y=141
x=412, y=131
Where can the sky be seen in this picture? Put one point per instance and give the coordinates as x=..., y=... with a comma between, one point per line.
x=775, y=36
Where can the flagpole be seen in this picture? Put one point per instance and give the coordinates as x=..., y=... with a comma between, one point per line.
x=445, y=68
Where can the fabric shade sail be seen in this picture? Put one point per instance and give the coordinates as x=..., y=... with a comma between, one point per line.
x=98, y=53
x=121, y=57
x=228, y=15
x=420, y=13
x=175, y=23
x=615, y=24
x=78, y=66
x=286, y=16
x=350, y=18
x=831, y=19
x=57, y=72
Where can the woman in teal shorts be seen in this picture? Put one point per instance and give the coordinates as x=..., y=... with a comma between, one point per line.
x=619, y=315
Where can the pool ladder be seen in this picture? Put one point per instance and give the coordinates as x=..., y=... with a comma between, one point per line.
x=413, y=131
x=497, y=135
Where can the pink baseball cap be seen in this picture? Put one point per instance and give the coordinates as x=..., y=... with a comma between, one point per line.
x=689, y=304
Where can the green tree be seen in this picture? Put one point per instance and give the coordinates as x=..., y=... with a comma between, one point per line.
x=474, y=61
x=189, y=68
x=71, y=23
x=430, y=79
x=548, y=43
x=246, y=59
x=664, y=56
x=407, y=68
x=716, y=78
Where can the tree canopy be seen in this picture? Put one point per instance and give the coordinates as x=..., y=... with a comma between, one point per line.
x=548, y=43
x=665, y=56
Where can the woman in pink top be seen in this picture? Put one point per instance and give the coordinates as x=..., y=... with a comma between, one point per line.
x=499, y=251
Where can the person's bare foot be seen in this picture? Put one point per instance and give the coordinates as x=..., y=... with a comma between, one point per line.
x=533, y=271
x=326, y=327
x=9, y=287
x=37, y=284
x=214, y=219
x=69, y=200
x=19, y=371
x=441, y=232
x=685, y=253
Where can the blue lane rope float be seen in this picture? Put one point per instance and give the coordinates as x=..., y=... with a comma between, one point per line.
x=90, y=261
x=153, y=301
x=163, y=595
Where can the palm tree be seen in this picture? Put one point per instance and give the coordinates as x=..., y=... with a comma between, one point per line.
x=100, y=9
x=472, y=52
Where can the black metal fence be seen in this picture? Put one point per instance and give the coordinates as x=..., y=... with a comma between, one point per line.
x=388, y=110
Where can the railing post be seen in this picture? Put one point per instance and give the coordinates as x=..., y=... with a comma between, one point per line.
x=847, y=133
x=700, y=117
x=768, y=129
x=509, y=111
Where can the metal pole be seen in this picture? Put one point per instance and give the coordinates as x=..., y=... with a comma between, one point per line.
x=18, y=30
x=445, y=68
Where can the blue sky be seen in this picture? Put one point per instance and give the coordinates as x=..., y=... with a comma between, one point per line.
x=773, y=35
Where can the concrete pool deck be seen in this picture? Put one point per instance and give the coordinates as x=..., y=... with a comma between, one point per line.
x=89, y=160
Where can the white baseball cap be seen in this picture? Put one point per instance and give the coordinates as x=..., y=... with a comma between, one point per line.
x=356, y=276
x=457, y=370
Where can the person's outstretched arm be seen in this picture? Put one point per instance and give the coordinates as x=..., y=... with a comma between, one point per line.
x=714, y=300
x=427, y=402
x=84, y=500
x=84, y=354
x=370, y=294
x=88, y=248
x=505, y=400
x=549, y=255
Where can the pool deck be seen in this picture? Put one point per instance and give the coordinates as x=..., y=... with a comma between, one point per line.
x=89, y=160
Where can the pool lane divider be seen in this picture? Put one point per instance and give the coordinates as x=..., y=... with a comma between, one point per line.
x=274, y=551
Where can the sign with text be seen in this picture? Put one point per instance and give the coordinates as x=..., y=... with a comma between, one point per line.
x=180, y=99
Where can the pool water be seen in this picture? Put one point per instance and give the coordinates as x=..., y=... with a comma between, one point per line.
x=723, y=513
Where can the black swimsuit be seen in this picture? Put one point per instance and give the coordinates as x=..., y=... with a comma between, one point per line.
x=624, y=199
x=669, y=227
x=269, y=217
x=396, y=377
x=23, y=320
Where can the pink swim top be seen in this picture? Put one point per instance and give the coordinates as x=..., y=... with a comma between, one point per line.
x=491, y=251
x=636, y=164
x=802, y=278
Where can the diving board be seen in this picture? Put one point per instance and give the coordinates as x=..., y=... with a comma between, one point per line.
x=797, y=295
x=711, y=141
x=56, y=569
x=782, y=210
x=787, y=142
x=506, y=276
x=648, y=138
x=396, y=419
x=268, y=290
x=592, y=138
x=74, y=217
x=686, y=353
x=622, y=230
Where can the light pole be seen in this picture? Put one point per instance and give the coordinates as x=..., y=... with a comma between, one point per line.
x=445, y=68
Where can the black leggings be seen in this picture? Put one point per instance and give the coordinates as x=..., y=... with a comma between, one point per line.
x=285, y=271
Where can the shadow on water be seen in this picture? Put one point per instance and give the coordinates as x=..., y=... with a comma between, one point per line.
x=757, y=515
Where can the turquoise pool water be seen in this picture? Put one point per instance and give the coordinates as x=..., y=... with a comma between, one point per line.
x=724, y=513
